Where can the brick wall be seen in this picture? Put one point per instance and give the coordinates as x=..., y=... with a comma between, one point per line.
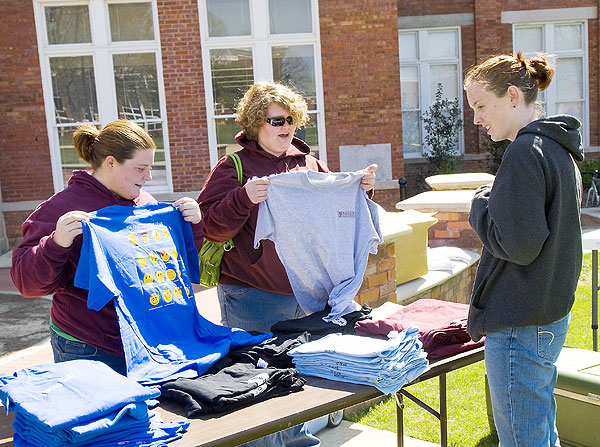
x=379, y=282
x=453, y=230
x=361, y=77
x=184, y=93
x=24, y=153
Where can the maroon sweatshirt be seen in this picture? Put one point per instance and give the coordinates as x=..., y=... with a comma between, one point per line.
x=228, y=213
x=41, y=267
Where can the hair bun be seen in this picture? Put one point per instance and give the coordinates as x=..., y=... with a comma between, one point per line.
x=539, y=68
x=83, y=139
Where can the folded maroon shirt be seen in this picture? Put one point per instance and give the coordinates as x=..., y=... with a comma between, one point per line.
x=442, y=325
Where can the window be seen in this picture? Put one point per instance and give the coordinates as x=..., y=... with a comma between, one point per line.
x=428, y=57
x=567, y=41
x=98, y=71
x=245, y=41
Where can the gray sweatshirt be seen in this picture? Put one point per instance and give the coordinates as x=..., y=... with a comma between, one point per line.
x=529, y=224
x=324, y=227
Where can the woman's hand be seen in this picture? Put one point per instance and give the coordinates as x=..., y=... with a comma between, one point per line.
x=368, y=180
x=189, y=209
x=257, y=189
x=68, y=227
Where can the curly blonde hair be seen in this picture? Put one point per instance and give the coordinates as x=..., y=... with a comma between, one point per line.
x=500, y=72
x=252, y=108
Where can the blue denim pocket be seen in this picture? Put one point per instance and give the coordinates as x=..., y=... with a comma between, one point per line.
x=551, y=338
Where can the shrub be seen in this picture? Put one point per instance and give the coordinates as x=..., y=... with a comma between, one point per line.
x=442, y=126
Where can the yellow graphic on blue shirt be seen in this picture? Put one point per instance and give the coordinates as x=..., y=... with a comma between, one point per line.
x=158, y=265
x=154, y=299
x=164, y=255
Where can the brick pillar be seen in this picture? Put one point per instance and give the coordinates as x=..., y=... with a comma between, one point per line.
x=453, y=230
x=379, y=282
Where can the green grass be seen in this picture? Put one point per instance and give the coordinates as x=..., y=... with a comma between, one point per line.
x=468, y=424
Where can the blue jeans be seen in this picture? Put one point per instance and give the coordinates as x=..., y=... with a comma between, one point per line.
x=520, y=367
x=65, y=350
x=257, y=310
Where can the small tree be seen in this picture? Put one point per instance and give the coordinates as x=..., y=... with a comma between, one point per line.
x=442, y=126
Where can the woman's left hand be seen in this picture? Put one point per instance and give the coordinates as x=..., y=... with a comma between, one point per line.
x=189, y=209
x=368, y=179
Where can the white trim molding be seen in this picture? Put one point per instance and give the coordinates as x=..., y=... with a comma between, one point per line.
x=549, y=15
x=436, y=20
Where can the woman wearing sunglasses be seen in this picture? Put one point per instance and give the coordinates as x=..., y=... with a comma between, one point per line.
x=254, y=290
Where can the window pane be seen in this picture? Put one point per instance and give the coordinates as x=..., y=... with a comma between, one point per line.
x=295, y=66
x=232, y=74
x=290, y=16
x=159, y=168
x=68, y=24
x=131, y=21
x=74, y=89
x=408, y=46
x=309, y=134
x=411, y=132
x=227, y=129
x=442, y=44
x=529, y=40
x=569, y=79
x=567, y=37
x=409, y=87
x=571, y=108
x=136, y=86
x=447, y=75
x=68, y=155
x=228, y=18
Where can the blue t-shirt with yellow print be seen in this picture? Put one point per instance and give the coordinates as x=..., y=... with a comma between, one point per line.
x=144, y=258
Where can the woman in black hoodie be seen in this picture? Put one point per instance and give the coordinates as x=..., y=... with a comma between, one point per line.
x=528, y=222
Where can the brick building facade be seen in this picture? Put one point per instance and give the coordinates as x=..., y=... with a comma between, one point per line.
x=357, y=68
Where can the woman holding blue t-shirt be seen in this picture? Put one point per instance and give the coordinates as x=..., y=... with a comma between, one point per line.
x=121, y=157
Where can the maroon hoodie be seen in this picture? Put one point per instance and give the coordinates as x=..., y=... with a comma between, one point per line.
x=228, y=213
x=41, y=267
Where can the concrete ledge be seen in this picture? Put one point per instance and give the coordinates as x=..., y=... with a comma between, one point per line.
x=448, y=262
x=471, y=180
x=444, y=201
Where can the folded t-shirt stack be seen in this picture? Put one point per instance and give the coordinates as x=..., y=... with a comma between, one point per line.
x=442, y=326
x=387, y=364
x=83, y=403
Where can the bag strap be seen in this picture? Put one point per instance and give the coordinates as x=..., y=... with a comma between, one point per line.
x=238, y=165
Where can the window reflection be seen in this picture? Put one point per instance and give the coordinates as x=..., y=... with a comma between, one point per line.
x=131, y=21
x=136, y=86
x=67, y=24
x=74, y=89
x=232, y=74
x=290, y=16
x=295, y=66
x=228, y=18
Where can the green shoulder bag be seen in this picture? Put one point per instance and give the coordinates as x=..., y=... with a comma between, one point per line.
x=211, y=253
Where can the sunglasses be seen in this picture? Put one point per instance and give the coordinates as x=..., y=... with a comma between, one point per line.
x=280, y=121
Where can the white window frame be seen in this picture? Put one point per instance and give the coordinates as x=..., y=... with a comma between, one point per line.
x=101, y=49
x=550, y=93
x=423, y=64
x=260, y=41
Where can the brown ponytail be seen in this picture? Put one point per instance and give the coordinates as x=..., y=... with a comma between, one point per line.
x=121, y=139
x=500, y=72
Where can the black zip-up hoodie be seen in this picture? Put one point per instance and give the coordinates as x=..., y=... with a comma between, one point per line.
x=529, y=224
